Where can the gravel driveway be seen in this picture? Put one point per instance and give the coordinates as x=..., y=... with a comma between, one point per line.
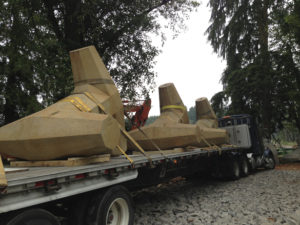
x=266, y=197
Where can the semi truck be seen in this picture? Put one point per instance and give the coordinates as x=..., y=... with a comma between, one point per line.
x=101, y=193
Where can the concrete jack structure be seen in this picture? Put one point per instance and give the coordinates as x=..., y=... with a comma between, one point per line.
x=172, y=128
x=74, y=126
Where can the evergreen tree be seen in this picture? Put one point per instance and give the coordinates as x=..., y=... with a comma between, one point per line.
x=219, y=103
x=285, y=43
x=258, y=74
x=192, y=114
x=36, y=36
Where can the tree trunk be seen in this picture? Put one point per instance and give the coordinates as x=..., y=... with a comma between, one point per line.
x=10, y=108
x=266, y=77
x=73, y=27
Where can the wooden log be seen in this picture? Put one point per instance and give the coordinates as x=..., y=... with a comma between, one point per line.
x=76, y=161
x=3, y=180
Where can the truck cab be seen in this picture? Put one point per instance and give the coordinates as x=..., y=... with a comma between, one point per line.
x=243, y=132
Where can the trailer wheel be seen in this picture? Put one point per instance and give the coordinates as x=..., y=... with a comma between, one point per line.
x=245, y=167
x=113, y=207
x=79, y=209
x=34, y=217
x=234, y=170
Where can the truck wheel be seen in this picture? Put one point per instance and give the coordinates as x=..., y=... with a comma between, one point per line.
x=34, y=217
x=270, y=162
x=78, y=210
x=252, y=164
x=234, y=170
x=113, y=207
x=245, y=167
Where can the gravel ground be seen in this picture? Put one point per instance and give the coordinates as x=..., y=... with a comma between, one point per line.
x=266, y=197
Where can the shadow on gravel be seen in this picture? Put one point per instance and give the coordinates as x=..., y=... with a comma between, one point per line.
x=177, y=185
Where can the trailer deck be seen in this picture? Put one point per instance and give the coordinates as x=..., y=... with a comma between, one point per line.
x=37, y=185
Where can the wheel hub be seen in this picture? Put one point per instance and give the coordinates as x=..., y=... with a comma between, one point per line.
x=118, y=213
x=110, y=217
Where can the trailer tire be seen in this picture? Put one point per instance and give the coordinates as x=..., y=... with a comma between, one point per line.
x=114, y=206
x=234, y=170
x=245, y=167
x=79, y=210
x=34, y=217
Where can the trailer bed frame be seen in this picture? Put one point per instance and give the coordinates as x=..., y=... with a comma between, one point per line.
x=37, y=185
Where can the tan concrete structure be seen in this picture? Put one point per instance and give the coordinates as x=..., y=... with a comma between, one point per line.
x=207, y=121
x=205, y=115
x=74, y=126
x=172, y=128
x=172, y=109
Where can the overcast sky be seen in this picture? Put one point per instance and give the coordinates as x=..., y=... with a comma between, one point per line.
x=189, y=62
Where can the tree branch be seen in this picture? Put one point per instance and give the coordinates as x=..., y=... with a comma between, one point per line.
x=114, y=37
x=51, y=17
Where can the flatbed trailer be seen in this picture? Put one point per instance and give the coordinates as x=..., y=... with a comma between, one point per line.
x=100, y=194
x=36, y=186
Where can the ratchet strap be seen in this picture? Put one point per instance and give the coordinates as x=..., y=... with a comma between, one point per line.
x=78, y=103
x=210, y=145
x=181, y=107
x=3, y=180
x=95, y=81
x=123, y=131
x=127, y=135
x=153, y=143
x=148, y=138
x=124, y=153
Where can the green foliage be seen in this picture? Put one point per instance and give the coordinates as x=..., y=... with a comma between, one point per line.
x=36, y=36
x=293, y=20
x=192, y=114
x=289, y=134
x=260, y=43
x=219, y=103
x=151, y=119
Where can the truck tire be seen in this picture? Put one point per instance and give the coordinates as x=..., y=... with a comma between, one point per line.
x=114, y=206
x=34, y=217
x=270, y=162
x=252, y=164
x=245, y=167
x=234, y=170
x=79, y=209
